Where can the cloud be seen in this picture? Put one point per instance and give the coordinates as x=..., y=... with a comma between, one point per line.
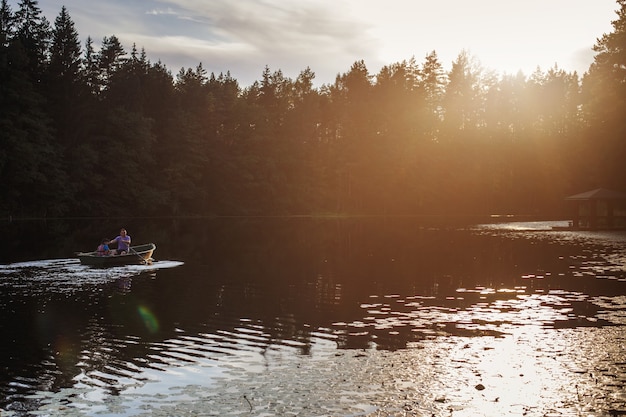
x=247, y=35
x=157, y=12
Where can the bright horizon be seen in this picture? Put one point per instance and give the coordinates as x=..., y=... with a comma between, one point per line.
x=328, y=36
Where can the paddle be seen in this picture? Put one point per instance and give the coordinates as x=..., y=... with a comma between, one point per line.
x=143, y=261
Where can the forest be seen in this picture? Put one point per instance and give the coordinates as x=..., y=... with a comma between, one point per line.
x=102, y=131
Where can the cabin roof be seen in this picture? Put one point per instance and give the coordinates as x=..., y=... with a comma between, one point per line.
x=598, y=194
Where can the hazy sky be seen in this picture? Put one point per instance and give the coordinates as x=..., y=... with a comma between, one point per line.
x=243, y=36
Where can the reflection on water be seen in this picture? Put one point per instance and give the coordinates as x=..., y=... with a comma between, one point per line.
x=342, y=318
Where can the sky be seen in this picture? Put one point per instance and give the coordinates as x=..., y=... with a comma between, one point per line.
x=328, y=36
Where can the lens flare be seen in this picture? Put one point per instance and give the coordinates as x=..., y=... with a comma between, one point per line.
x=149, y=320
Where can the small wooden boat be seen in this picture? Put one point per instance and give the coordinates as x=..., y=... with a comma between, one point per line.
x=137, y=255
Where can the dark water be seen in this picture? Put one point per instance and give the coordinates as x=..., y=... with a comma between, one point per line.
x=233, y=295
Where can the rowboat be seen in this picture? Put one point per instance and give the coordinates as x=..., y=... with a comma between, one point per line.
x=137, y=255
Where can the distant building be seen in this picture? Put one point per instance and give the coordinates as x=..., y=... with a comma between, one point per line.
x=598, y=209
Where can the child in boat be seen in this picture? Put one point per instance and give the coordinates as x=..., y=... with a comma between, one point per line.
x=103, y=249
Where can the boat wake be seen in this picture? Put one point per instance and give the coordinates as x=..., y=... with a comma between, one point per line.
x=68, y=275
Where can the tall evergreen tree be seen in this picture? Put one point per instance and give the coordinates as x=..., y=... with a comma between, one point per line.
x=605, y=83
x=110, y=59
x=64, y=82
x=352, y=96
x=33, y=32
x=65, y=53
x=433, y=82
x=224, y=94
x=604, y=95
x=6, y=24
x=126, y=86
x=183, y=158
x=91, y=69
x=462, y=97
x=304, y=118
x=397, y=92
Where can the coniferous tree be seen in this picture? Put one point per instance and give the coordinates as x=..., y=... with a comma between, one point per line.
x=65, y=53
x=605, y=83
x=224, y=94
x=125, y=86
x=91, y=72
x=462, y=128
x=604, y=95
x=32, y=31
x=64, y=88
x=261, y=154
x=128, y=130
x=353, y=96
x=6, y=24
x=433, y=83
x=305, y=126
x=183, y=161
x=505, y=108
x=110, y=60
x=462, y=96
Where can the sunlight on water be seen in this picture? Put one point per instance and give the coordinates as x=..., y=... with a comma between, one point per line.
x=530, y=372
x=519, y=365
x=533, y=225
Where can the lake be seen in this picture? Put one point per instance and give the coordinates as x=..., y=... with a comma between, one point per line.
x=314, y=317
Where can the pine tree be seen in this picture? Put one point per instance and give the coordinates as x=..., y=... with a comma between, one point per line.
x=6, y=24
x=65, y=60
x=64, y=87
x=33, y=32
x=605, y=83
x=91, y=71
x=110, y=59
x=604, y=98
x=433, y=82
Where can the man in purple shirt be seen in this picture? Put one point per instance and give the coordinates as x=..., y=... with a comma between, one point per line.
x=123, y=242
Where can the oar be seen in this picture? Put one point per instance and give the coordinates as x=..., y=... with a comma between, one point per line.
x=143, y=261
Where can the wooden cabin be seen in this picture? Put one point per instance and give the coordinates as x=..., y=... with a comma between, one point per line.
x=598, y=209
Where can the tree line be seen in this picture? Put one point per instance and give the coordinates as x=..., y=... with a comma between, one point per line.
x=89, y=131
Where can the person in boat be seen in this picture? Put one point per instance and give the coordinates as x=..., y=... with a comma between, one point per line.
x=103, y=248
x=122, y=241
